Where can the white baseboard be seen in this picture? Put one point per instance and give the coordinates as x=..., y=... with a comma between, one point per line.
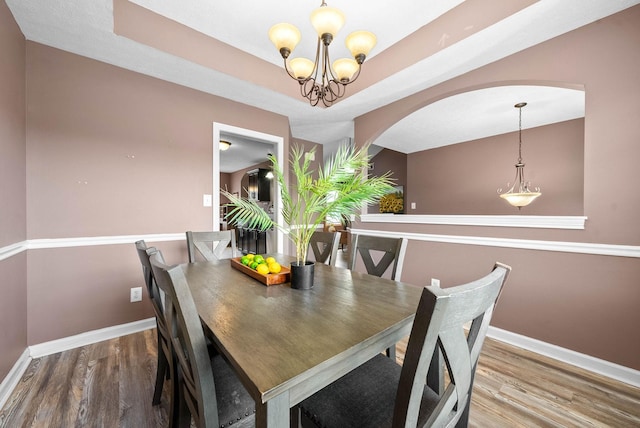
x=587, y=362
x=83, y=339
x=13, y=377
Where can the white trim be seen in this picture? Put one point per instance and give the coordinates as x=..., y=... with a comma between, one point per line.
x=89, y=337
x=13, y=249
x=587, y=362
x=34, y=244
x=535, y=221
x=525, y=244
x=10, y=381
x=567, y=247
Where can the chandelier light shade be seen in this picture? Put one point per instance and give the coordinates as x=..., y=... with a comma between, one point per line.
x=224, y=145
x=320, y=81
x=520, y=194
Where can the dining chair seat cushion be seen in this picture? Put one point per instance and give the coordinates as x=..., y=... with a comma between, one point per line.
x=236, y=408
x=367, y=396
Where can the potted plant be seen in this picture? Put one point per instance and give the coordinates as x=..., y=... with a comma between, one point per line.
x=340, y=190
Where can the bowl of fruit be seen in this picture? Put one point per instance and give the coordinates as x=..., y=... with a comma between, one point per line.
x=264, y=268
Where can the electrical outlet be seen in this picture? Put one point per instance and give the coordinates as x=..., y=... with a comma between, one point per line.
x=435, y=282
x=206, y=201
x=136, y=294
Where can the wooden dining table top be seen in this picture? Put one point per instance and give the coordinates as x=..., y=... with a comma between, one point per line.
x=286, y=344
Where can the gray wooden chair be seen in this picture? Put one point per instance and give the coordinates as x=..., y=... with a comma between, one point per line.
x=324, y=246
x=211, y=245
x=378, y=255
x=209, y=390
x=381, y=393
x=164, y=347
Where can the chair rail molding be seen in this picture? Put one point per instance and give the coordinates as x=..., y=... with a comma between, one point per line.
x=13, y=249
x=524, y=244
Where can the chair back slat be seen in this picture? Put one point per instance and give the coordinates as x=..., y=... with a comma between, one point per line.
x=211, y=245
x=324, y=246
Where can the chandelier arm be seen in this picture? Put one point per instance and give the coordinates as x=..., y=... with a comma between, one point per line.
x=309, y=90
x=314, y=73
x=286, y=67
x=336, y=89
x=353, y=78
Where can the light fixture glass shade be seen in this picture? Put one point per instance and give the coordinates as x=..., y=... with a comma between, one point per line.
x=301, y=67
x=520, y=199
x=224, y=145
x=345, y=68
x=284, y=35
x=360, y=42
x=327, y=19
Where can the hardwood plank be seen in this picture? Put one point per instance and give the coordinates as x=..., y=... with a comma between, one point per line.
x=110, y=384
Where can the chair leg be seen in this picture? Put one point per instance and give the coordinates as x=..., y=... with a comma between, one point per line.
x=161, y=374
x=391, y=352
x=179, y=415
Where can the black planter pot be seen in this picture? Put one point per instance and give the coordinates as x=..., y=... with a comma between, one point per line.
x=302, y=275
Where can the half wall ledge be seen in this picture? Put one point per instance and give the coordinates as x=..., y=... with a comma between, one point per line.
x=533, y=221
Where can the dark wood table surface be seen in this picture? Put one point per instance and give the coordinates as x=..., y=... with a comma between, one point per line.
x=287, y=344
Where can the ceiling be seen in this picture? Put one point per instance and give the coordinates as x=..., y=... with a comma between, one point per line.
x=87, y=28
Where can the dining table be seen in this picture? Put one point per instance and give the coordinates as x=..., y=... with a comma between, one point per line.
x=286, y=344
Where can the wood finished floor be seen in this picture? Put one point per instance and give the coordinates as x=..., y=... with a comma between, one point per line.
x=110, y=384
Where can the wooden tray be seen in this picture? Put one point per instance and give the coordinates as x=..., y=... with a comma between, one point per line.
x=269, y=279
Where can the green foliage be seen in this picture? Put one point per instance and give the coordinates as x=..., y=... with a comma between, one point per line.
x=306, y=202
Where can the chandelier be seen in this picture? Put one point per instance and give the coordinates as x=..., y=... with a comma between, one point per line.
x=519, y=194
x=319, y=81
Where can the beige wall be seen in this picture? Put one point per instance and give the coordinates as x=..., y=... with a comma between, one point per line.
x=110, y=153
x=464, y=178
x=586, y=303
x=396, y=163
x=13, y=271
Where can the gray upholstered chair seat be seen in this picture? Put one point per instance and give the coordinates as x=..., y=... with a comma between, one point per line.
x=370, y=391
x=235, y=406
